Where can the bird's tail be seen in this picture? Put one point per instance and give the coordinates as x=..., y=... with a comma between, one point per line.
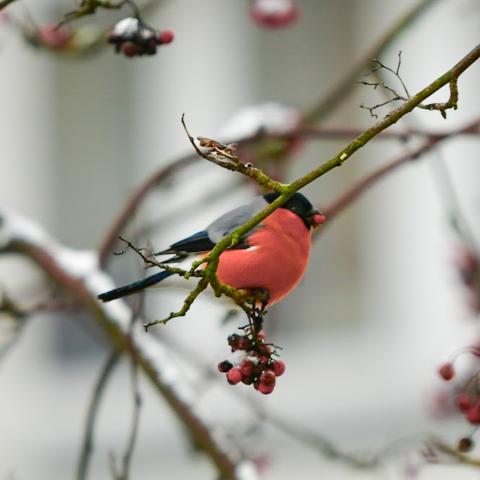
x=134, y=287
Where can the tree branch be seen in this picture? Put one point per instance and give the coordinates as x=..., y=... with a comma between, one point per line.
x=87, y=443
x=347, y=198
x=77, y=273
x=287, y=191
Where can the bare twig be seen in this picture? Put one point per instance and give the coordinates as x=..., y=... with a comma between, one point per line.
x=341, y=88
x=87, y=443
x=442, y=107
x=124, y=472
x=89, y=7
x=16, y=317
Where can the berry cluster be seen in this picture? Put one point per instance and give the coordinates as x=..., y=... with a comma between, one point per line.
x=133, y=38
x=467, y=401
x=257, y=368
x=274, y=13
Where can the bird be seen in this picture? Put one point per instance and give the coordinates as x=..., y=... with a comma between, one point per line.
x=272, y=256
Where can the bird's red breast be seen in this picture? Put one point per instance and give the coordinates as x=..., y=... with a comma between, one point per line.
x=276, y=259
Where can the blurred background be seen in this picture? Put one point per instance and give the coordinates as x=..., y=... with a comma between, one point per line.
x=380, y=307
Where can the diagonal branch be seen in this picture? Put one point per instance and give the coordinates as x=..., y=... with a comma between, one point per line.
x=348, y=197
x=287, y=191
x=87, y=443
x=341, y=88
x=5, y=3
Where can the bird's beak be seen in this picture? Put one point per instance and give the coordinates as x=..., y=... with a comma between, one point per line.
x=315, y=218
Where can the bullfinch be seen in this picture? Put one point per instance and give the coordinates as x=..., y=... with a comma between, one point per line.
x=271, y=256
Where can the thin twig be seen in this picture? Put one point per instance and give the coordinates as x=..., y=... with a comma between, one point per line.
x=223, y=156
x=454, y=454
x=89, y=7
x=442, y=107
x=98, y=391
x=137, y=404
x=341, y=88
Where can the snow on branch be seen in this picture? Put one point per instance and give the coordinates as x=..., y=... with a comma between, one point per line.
x=78, y=273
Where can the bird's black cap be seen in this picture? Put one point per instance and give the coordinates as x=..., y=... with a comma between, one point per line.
x=298, y=204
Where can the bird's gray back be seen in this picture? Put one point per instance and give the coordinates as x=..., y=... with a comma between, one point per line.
x=233, y=219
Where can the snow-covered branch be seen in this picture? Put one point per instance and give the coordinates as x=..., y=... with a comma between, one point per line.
x=78, y=273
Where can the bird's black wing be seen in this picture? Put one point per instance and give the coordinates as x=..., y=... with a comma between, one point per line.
x=198, y=243
x=205, y=240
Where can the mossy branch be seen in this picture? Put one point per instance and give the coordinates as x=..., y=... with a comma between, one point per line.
x=287, y=191
x=5, y=3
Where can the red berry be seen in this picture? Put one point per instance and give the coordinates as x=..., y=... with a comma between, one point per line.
x=165, y=37
x=130, y=49
x=473, y=414
x=464, y=402
x=234, y=376
x=446, y=371
x=265, y=389
x=267, y=378
x=278, y=367
x=274, y=13
x=246, y=367
x=224, y=366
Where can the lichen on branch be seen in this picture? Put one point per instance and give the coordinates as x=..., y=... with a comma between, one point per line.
x=222, y=156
